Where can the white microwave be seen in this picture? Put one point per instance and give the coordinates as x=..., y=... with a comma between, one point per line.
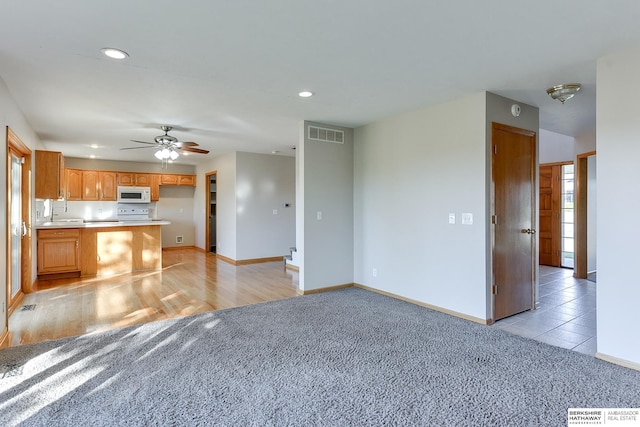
x=134, y=194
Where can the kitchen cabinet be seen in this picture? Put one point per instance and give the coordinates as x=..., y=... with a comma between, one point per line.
x=155, y=187
x=49, y=175
x=174, y=179
x=99, y=185
x=134, y=179
x=73, y=184
x=121, y=249
x=59, y=251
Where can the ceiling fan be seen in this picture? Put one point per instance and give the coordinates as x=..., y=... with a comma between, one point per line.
x=167, y=146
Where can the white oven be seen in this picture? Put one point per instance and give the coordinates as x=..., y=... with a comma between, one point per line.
x=134, y=194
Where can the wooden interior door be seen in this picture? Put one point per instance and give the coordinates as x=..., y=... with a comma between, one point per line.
x=513, y=219
x=549, y=223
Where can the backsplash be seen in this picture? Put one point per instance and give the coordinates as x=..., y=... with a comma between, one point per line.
x=63, y=209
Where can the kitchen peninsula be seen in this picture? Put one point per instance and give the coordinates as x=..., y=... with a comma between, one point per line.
x=72, y=248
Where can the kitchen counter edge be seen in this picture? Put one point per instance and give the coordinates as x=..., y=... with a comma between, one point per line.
x=99, y=224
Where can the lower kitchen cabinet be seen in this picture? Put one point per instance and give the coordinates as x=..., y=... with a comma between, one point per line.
x=58, y=251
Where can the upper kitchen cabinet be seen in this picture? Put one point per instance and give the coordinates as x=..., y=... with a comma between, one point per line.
x=155, y=187
x=99, y=185
x=134, y=179
x=173, y=179
x=49, y=175
x=73, y=179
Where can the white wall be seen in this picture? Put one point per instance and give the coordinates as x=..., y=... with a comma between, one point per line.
x=176, y=206
x=555, y=147
x=411, y=171
x=11, y=115
x=225, y=166
x=618, y=137
x=264, y=184
x=325, y=248
x=249, y=188
x=585, y=143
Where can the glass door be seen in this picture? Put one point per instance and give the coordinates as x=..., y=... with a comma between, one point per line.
x=17, y=226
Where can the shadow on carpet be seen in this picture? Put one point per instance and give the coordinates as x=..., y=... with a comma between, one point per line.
x=347, y=357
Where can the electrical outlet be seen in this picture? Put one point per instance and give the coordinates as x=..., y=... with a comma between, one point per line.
x=467, y=219
x=319, y=215
x=178, y=239
x=374, y=273
x=275, y=211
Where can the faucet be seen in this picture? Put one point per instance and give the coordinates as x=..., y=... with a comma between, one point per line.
x=53, y=207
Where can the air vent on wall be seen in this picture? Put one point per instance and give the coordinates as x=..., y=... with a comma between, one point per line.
x=326, y=135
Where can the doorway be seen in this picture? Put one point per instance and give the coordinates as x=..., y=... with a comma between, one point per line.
x=585, y=249
x=18, y=222
x=557, y=207
x=212, y=207
x=513, y=219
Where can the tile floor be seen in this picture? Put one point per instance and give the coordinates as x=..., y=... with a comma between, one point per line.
x=565, y=314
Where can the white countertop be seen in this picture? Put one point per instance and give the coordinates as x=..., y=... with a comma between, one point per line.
x=97, y=224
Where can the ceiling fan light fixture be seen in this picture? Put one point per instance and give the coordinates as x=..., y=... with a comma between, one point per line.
x=114, y=53
x=174, y=155
x=564, y=92
x=158, y=154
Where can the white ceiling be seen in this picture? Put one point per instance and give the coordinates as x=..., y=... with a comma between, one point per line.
x=226, y=73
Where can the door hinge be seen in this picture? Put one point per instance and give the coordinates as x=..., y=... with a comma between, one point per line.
x=494, y=289
x=495, y=149
x=494, y=219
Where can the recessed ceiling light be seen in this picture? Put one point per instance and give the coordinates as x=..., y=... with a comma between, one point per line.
x=94, y=146
x=305, y=94
x=115, y=53
x=92, y=156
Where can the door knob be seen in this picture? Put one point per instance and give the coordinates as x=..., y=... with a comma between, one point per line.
x=529, y=231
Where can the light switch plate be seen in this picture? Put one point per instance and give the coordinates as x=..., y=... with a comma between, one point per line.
x=467, y=218
x=452, y=218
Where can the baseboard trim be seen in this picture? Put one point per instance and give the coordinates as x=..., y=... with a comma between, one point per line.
x=293, y=267
x=327, y=289
x=178, y=248
x=618, y=361
x=249, y=261
x=424, y=304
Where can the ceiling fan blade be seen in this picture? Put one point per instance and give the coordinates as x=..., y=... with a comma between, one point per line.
x=144, y=142
x=187, y=144
x=194, y=150
x=135, y=148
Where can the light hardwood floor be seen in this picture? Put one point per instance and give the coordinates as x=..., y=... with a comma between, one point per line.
x=190, y=282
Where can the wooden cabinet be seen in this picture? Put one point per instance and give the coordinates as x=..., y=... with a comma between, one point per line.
x=109, y=185
x=134, y=179
x=99, y=185
x=155, y=187
x=58, y=251
x=94, y=185
x=114, y=250
x=49, y=175
x=173, y=179
x=73, y=184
